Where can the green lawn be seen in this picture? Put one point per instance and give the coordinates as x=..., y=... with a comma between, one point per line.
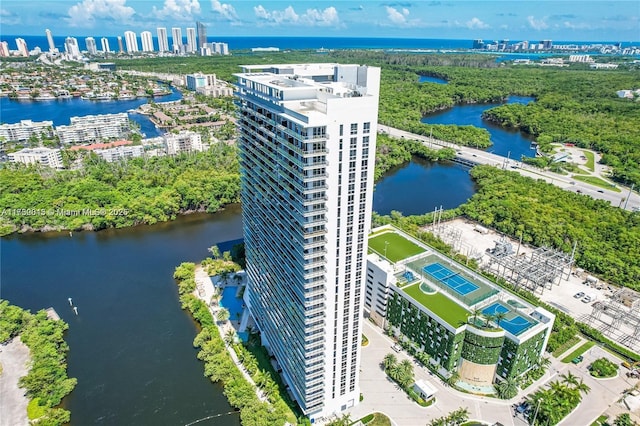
x=591, y=160
x=579, y=351
x=596, y=181
x=440, y=305
x=376, y=419
x=397, y=247
x=565, y=346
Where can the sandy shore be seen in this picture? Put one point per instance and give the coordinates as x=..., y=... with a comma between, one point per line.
x=14, y=357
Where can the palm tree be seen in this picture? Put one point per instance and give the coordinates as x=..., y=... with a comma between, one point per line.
x=569, y=379
x=389, y=361
x=453, y=378
x=476, y=313
x=499, y=317
x=507, y=388
x=459, y=416
x=543, y=362
x=582, y=387
x=487, y=319
x=229, y=337
x=260, y=378
x=222, y=315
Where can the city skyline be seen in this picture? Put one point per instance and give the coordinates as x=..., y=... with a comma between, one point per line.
x=564, y=20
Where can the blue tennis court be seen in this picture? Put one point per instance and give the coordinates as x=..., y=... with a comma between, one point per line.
x=451, y=279
x=516, y=325
x=494, y=309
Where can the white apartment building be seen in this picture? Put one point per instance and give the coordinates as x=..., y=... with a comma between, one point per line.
x=22, y=131
x=52, y=46
x=307, y=138
x=90, y=42
x=4, y=49
x=185, y=141
x=93, y=128
x=131, y=41
x=147, y=41
x=45, y=156
x=192, y=44
x=163, y=39
x=120, y=152
x=176, y=38
x=22, y=48
x=71, y=48
x=105, y=45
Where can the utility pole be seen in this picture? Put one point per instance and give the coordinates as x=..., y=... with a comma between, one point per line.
x=628, y=196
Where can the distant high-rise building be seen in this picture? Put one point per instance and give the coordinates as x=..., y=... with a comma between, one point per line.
x=105, y=45
x=120, y=45
x=21, y=45
x=52, y=46
x=202, y=34
x=90, y=43
x=478, y=44
x=191, y=40
x=163, y=40
x=131, y=40
x=176, y=39
x=147, y=41
x=4, y=49
x=307, y=141
x=72, y=48
x=547, y=44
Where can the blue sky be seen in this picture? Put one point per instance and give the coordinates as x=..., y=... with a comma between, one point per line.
x=573, y=20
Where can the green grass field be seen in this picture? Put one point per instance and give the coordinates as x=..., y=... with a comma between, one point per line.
x=440, y=305
x=591, y=160
x=398, y=247
x=597, y=182
x=579, y=351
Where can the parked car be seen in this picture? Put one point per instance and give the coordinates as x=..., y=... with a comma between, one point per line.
x=579, y=295
x=577, y=360
x=396, y=348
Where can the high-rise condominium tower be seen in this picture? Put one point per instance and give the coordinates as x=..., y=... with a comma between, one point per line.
x=21, y=45
x=147, y=41
x=52, y=46
x=120, y=45
x=131, y=40
x=176, y=39
x=163, y=40
x=202, y=34
x=90, y=43
x=105, y=45
x=191, y=40
x=71, y=47
x=307, y=138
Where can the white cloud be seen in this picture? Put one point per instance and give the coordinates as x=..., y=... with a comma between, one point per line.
x=537, y=24
x=225, y=10
x=477, y=24
x=84, y=14
x=577, y=26
x=9, y=18
x=178, y=10
x=396, y=16
x=312, y=17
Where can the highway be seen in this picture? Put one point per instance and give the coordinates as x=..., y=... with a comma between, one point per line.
x=623, y=199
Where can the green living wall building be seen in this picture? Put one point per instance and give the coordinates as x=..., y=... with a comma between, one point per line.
x=465, y=323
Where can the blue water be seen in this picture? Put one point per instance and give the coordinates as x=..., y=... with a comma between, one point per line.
x=419, y=186
x=508, y=143
x=231, y=302
x=428, y=79
x=60, y=111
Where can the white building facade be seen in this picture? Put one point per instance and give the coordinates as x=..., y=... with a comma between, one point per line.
x=45, y=156
x=185, y=141
x=120, y=152
x=147, y=41
x=192, y=44
x=105, y=45
x=131, y=41
x=22, y=131
x=92, y=48
x=307, y=137
x=163, y=40
x=92, y=128
x=176, y=39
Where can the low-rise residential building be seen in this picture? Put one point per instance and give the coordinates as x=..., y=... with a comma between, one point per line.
x=92, y=128
x=45, y=156
x=185, y=141
x=22, y=131
x=120, y=152
x=464, y=322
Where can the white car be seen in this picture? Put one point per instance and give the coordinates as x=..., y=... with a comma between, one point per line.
x=579, y=295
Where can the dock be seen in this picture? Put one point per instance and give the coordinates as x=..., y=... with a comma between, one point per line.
x=52, y=314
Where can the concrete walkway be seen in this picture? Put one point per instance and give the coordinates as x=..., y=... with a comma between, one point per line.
x=14, y=358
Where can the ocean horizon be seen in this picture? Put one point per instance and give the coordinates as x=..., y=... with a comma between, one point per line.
x=297, y=43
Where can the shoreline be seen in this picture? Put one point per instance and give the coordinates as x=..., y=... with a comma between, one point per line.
x=14, y=358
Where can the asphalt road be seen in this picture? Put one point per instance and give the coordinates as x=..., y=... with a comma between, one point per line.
x=617, y=199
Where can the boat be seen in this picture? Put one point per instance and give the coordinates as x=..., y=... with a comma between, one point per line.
x=45, y=97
